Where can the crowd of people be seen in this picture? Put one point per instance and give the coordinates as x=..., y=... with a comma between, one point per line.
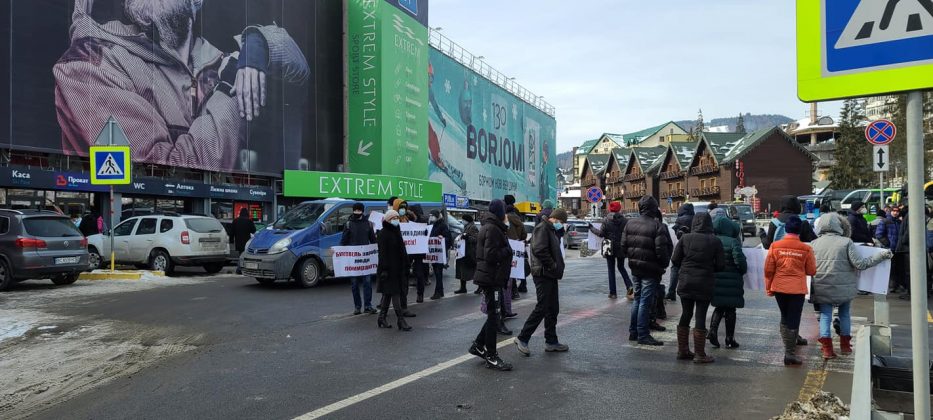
x=707, y=266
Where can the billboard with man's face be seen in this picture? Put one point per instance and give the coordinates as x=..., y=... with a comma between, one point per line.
x=220, y=85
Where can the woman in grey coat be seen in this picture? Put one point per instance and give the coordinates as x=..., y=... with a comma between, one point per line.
x=836, y=280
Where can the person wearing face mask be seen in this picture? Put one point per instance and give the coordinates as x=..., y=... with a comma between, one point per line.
x=404, y=216
x=547, y=268
x=390, y=205
x=439, y=229
x=861, y=234
x=493, y=265
x=392, y=271
x=888, y=233
x=359, y=231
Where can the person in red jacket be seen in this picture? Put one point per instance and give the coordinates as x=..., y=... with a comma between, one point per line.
x=787, y=266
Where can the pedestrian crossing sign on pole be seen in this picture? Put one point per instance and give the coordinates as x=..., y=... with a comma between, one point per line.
x=110, y=165
x=856, y=48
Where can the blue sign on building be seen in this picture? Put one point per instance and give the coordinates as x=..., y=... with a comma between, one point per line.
x=450, y=200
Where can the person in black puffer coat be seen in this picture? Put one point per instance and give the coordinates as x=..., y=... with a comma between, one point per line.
x=493, y=266
x=861, y=234
x=790, y=207
x=681, y=227
x=611, y=230
x=699, y=255
x=392, y=271
x=646, y=244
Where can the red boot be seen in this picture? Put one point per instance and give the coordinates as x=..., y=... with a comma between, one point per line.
x=827, y=343
x=845, y=344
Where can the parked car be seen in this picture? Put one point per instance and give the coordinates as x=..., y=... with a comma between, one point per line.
x=576, y=233
x=739, y=212
x=162, y=241
x=297, y=246
x=98, y=249
x=38, y=244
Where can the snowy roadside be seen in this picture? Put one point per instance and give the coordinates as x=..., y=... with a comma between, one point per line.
x=48, y=358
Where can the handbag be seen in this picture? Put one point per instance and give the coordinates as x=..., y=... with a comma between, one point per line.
x=606, y=248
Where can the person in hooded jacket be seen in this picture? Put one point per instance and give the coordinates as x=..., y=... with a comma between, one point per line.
x=547, y=206
x=826, y=210
x=699, y=254
x=889, y=233
x=729, y=293
x=647, y=245
x=787, y=266
x=358, y=231
x=392, y=270
x=861, y=234
x=790, y=207
x=439, y=229
x=493, y=265
x=681, y=227
x=611, y=229
x=516, y=232
x=836, y=281
x=466, y=266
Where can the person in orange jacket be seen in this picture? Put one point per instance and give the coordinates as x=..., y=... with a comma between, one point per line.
x=787, y=266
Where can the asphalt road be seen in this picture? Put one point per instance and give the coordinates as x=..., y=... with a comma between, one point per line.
x=281, y=352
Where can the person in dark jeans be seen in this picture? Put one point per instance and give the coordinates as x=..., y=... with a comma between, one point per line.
x=358, y=232
x=439, y=229
x=681, y=227
x=611, y=230
x=418, y=267
x=647, y=246
x=547, y=268
x=493, y=265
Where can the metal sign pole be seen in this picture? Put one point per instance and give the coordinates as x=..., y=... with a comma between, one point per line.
x=918, y=270
x=110, y=222
x=882, y=311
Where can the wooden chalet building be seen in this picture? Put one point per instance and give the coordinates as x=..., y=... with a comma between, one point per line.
x=638, y=179
x=615, y=171
x=594, y=174
x=672, y=175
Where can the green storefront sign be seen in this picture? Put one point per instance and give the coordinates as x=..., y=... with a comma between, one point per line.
x=387, y=98
x=311, y=184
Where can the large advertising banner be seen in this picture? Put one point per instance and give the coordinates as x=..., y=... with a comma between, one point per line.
x=220, y=85
x=387, y=51
x=484, y=142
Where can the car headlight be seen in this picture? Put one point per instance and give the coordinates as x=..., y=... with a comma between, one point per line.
x=280, y=246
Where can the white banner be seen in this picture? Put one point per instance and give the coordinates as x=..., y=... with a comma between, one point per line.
x=593, y=242
x=670, y=231
x=518, y=259
x=461, y=248
x=375, y=218
x=353, y=261
x=755, y=276
x=415, y=236
x=437, y=251
x=873, y=280
x=563, y=249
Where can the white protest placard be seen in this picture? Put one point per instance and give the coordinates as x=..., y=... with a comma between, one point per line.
x=593, y=242
x=874, y=280
x=518, y=259
x=755, y=276
x=375, y=218
x=437, y=251
x=461, y=248
x=353, y=261
x=670, y=231
x=415, y=236
x=563, y=249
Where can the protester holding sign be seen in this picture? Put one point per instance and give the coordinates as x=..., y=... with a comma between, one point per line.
x=611, y=232
x=439, y=229
x=547, y=268
x=359, y=231
x=392, y=271
x=787, y=266
x=466, y=266
x=493, y=265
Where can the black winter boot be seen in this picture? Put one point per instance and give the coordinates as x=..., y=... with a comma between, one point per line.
x=713, y=334
x=730, y=330
x=402, y=324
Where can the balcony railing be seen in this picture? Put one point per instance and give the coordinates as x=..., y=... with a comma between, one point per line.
x=705, y=192
x=705, y=169
x=673, y=193
x=635, y=194
x=672, y=174
x=614, y=179
x=633, y=177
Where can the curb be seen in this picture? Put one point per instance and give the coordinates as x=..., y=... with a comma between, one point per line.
x=119, y=275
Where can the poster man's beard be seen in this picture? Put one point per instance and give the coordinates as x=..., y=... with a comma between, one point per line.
x=172, y=19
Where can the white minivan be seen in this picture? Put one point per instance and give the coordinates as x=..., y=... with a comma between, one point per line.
x=160, y=242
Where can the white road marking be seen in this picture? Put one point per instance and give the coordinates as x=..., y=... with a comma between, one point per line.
x=339, y=405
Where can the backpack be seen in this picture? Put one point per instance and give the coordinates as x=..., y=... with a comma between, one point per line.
x=779, y=230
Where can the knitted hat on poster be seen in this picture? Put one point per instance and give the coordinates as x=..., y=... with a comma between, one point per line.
x=793, y=225
x=615, y=206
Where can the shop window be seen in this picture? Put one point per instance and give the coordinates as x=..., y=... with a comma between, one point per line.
x=166, y=225
x=147, y=226
x=125, y=228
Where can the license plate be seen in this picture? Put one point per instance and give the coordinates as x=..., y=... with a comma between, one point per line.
x=67, y=260
x=250, y=265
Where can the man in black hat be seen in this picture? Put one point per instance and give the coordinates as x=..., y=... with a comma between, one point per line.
x=359, y=231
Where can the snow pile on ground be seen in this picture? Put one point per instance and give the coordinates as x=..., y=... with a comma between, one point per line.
x=822, y=406
x=16, y=323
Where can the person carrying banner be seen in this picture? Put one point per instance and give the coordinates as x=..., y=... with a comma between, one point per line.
x=787, y=266
x=392, y=270
x=359, y=231
x=611, y=232
x=547, y=268
x=493, y=266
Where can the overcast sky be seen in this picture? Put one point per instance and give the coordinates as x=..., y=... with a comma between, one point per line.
x=624, y=65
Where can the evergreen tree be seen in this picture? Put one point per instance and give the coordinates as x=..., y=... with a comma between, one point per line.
x=740, y=124
x=698, y=127
x=853, y=154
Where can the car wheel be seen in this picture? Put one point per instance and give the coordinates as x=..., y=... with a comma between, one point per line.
x=160, y=261
x=65, y=279
x=309, y=275
x=94, y=260
x=265, y=282
x=6, y=276
x=213, y=268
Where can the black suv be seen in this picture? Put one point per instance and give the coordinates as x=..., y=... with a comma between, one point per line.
x=40, y=244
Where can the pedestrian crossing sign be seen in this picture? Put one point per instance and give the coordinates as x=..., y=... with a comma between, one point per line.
x=856, y=48
x=110, y=165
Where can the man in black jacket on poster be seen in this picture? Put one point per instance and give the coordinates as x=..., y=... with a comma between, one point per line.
x=359, y=231
x=647, y=245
